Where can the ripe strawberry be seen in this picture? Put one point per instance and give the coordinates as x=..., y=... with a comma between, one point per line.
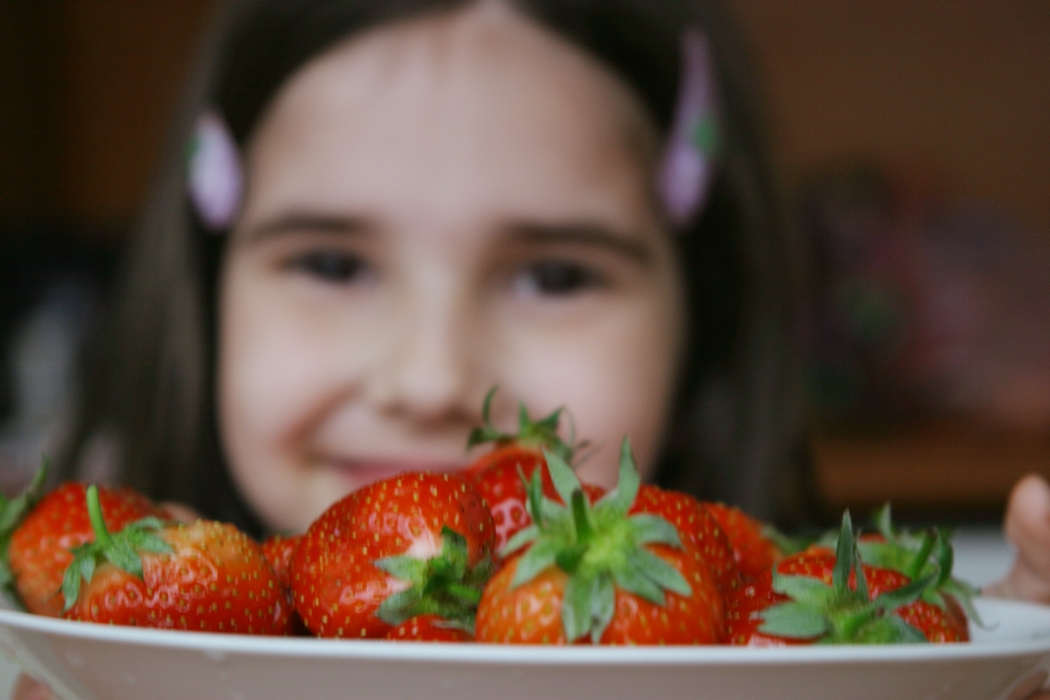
x=278, y=551
x=207, y=576
x=914, y=556
x=754, y=550
x=428, y=628
x=817, y=596
x=410, y=544
x=697, y=528
x=38, y=551
x=595, y=573
x=497, y=475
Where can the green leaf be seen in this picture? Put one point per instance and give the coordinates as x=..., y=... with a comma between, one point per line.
x=400, y=606
x=908, y=593
x=653, y=529
x=519, y=539
x=660, y=572
x=564, y=478
x=576, y=607
x=844, y=551
x=889, y=629
x=622, y=498
x=632, y=579
x=603, y=606
x=121, y=554
x=539, y=557
x=794, y=621
x=403, y=567
x=883, y=520
x=803, y=589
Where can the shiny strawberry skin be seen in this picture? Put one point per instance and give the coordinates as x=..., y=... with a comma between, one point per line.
x=531, y=612
x=753, y=551
x=39, y=551
x=336, y=585
x=427, y=628
x=697, y=529
x=496, y=477
x=278, y=551
x=939, y=625
x=215, y=580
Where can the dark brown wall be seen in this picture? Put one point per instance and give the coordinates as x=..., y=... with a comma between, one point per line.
x=956, y=89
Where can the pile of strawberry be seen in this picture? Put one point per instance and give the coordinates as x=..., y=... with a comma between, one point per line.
x=512, y=550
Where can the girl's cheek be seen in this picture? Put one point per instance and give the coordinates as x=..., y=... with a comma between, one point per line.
x=615, y=373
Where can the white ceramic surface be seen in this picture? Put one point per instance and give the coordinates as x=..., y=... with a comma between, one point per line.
x=95, y=662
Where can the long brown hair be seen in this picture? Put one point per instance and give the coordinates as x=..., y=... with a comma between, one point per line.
x=736, y=432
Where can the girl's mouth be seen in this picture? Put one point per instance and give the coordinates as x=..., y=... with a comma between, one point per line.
x=364, y=471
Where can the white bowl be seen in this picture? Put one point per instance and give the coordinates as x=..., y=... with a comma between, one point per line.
x=98, y=662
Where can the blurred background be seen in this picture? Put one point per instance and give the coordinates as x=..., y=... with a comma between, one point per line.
x=914, y=143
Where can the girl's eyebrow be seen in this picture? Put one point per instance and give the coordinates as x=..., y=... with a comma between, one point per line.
x=299, y=222
x=586, y=232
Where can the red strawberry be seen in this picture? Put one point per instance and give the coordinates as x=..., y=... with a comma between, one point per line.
x=428, y=628
x=497, y=475
x=595, y=573
x=278, y=551
x=819, y=596
x=697, y=528
x=410, y=544
x=914, y=556
x=207, y=576
x=754, y=551
x=38, y=552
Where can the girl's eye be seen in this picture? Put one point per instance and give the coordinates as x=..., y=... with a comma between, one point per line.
x=335, y=266
x=557, y=278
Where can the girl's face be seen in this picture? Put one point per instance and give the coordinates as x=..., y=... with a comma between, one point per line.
x=434, y=209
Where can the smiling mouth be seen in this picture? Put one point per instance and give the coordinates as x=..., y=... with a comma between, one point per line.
x=367, y=471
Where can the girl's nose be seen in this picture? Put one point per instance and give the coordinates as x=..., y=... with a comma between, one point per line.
x=429, y=373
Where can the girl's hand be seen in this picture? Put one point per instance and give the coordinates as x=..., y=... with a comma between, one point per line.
x=1027, y=525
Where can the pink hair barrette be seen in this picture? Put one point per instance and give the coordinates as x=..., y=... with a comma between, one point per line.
x=689, y=160
x=215, y=179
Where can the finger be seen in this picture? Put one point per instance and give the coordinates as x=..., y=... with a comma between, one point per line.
x=1027, y=525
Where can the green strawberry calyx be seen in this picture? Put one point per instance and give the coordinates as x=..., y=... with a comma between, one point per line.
x=12, y=513
x=839, y=614
x=541, y=434
x=120, y=549
x=914, y=556
x=599, y=546
x=445, y=585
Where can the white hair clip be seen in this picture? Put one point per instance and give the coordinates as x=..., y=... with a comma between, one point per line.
x=690, y=155
x=215, y=180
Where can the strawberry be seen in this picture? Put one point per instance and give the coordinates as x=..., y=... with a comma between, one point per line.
x=497, y=475
x=207, y=576
x=595, y=573
x=817, y=596
x=278, y=550
x=754, y=550
x=428, y=628
x=697, y=528
x=38, y=550
x=411, y=544
x=913, y=555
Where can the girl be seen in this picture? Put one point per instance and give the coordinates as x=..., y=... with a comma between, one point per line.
x=568, y=199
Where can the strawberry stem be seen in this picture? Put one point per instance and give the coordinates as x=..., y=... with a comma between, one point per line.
x=584, y=531
x=98, y=523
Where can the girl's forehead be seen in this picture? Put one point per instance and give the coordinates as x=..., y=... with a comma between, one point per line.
x=480, y=103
